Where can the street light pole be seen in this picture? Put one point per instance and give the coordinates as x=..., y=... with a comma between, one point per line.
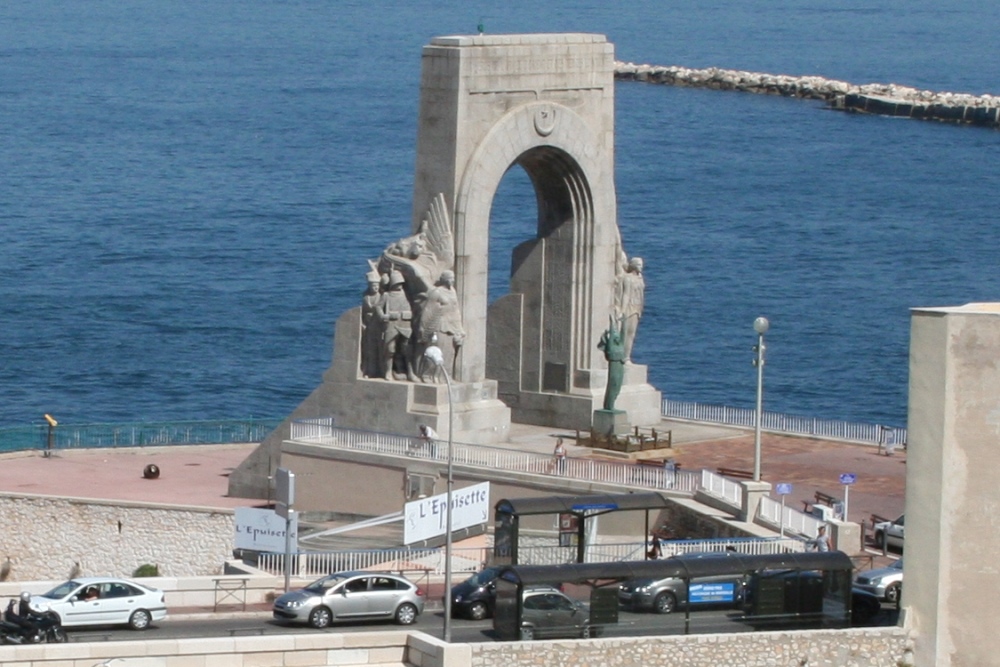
x=434, y=354
x=760, y=325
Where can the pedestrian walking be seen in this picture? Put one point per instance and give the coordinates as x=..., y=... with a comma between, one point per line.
x=428, y=440
x=822, y=540
x=559, y=458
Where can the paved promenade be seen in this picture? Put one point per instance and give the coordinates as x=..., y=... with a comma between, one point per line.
x=197, y=475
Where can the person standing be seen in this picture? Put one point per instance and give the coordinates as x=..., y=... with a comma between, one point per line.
x=428, y=440
x=559, y=457
x=822, y=541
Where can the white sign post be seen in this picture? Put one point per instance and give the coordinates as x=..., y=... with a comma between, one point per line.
x=783, y=490
x=284, y=496
x=847, y=479
x=426, y=518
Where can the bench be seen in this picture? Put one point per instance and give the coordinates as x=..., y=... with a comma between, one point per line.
x=820, y=499
x=637, y=441
x=734, y=472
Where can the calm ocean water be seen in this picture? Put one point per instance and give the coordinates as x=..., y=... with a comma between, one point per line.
x=190, y=192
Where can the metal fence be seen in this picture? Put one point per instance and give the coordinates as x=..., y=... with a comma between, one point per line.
x=721, y=487
x=469, y=560
x=138, y=434
x=322, y=432
x=769, y=511
x=874, y=434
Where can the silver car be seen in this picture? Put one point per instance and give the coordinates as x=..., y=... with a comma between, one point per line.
x=548, y=612
x=352, y=596
x=890, y=533
x=886, y=583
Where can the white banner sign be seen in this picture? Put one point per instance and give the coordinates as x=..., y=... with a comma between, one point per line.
x=263, y=530
x=426, y=518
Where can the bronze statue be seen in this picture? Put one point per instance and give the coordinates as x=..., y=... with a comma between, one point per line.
x=613, y=345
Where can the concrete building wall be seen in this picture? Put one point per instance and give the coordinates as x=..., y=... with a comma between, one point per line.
x=952, y=506
x=45, y=537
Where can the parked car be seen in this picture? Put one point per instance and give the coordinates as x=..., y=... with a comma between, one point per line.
x=670, y=593
x=889, y=533
x=885, y=583
x=548, y=612
x=802, y=600
x=475, y=597
x=103, y=601
x=352, y=596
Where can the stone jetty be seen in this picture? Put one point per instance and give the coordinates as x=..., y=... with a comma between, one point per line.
x=875, y=98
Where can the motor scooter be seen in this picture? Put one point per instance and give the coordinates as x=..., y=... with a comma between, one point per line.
x=38, y=627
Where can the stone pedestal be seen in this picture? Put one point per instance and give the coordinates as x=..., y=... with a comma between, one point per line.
x=752, y=493
x=611, y=422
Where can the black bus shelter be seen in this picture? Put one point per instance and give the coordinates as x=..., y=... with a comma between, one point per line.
x=508, y=512
x=780, y=589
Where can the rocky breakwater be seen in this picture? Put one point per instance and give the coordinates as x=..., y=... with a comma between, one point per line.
x=875, y=98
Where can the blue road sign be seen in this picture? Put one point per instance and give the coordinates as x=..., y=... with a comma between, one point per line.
x=783, y=489
x=848, y=478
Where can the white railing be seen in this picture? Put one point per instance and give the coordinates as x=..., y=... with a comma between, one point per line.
x=721, y=487
x=777, y=422
x=467, y=560
x=484, y=457
x=769, y=511
x=745, y=545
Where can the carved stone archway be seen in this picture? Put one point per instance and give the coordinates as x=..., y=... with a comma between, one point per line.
x=489, y=103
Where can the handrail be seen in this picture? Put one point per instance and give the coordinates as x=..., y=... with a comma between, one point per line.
x=487, y=457
x=776, y=422
x=769, y=512
x=722, y=488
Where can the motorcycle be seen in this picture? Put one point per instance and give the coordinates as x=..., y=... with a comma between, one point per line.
x=40, y=626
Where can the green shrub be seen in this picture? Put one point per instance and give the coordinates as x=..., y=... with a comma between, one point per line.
x=147, y=570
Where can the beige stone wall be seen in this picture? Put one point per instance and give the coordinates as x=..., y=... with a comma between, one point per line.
x=884, y=647
x=45, y=537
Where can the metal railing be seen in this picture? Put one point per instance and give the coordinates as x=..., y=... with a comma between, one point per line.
x=769, y=511
x=469, y=560
x=486, y=457
x=137, y=434
x=874, y=434
x=721, y=487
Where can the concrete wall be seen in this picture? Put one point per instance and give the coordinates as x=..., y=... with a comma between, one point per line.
x=886, y=647
x=952, y=517
x=45, y=537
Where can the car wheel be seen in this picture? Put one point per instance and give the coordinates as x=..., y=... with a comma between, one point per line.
x=320, y=618
x=892, y=593
x=406, y=614
x=665, y=603
x=586, y=632
x=139, y=620
x=527, y=633
x=478, y=611
x=58, y=636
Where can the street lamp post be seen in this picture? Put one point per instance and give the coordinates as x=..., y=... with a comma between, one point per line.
x=760, y=325
x=434, y=354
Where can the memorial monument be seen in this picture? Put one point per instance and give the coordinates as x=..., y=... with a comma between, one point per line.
x=490, y=103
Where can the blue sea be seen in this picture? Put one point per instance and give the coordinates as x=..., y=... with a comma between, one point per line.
x=190, y=190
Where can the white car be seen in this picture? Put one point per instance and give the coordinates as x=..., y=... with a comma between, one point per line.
x=890, y=533
x=103, y=601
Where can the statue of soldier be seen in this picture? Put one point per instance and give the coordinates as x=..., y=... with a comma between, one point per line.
x=372, y=327
x=397, y=320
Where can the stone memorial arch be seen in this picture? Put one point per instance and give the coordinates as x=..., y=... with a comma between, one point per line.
x=489, y=103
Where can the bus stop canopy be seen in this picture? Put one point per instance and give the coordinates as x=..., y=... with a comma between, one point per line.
x=607, y=502
x=686, y=566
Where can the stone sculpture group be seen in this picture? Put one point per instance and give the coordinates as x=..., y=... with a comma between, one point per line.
x=411, y=304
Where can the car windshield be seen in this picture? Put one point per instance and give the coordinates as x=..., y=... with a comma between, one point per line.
x=62, y=590
x=325, y=583
x=484, y=577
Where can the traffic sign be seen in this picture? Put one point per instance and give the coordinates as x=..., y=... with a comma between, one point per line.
x=848, y=478
x=783, y=488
